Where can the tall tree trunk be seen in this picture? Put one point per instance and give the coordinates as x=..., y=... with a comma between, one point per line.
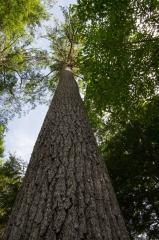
x=66, y=193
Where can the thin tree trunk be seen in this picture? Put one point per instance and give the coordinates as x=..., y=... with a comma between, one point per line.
x=66, y=193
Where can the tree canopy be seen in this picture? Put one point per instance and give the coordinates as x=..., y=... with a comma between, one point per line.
x=20, y=62
x=119, y=61
x=16, y=15
x=120, y=53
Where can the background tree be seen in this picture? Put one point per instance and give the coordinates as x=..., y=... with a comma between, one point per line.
x=12, y=172
x=131, y=154
x=20, y=77
x=120, y=51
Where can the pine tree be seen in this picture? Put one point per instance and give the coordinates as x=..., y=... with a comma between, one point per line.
x=66, y=193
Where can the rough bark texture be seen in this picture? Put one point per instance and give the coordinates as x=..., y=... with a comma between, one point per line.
x=66, y=193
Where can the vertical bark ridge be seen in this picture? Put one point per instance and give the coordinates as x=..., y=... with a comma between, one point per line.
x=66, y=193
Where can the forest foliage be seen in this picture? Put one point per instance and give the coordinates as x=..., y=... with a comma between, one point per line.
x=22, y=81
x=12, y=172
x=114, y=49
x=120, y=64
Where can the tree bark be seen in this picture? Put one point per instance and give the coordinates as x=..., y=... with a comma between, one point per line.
x=66, y=193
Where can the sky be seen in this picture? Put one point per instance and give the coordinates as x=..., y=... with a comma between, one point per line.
x=23, y=132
